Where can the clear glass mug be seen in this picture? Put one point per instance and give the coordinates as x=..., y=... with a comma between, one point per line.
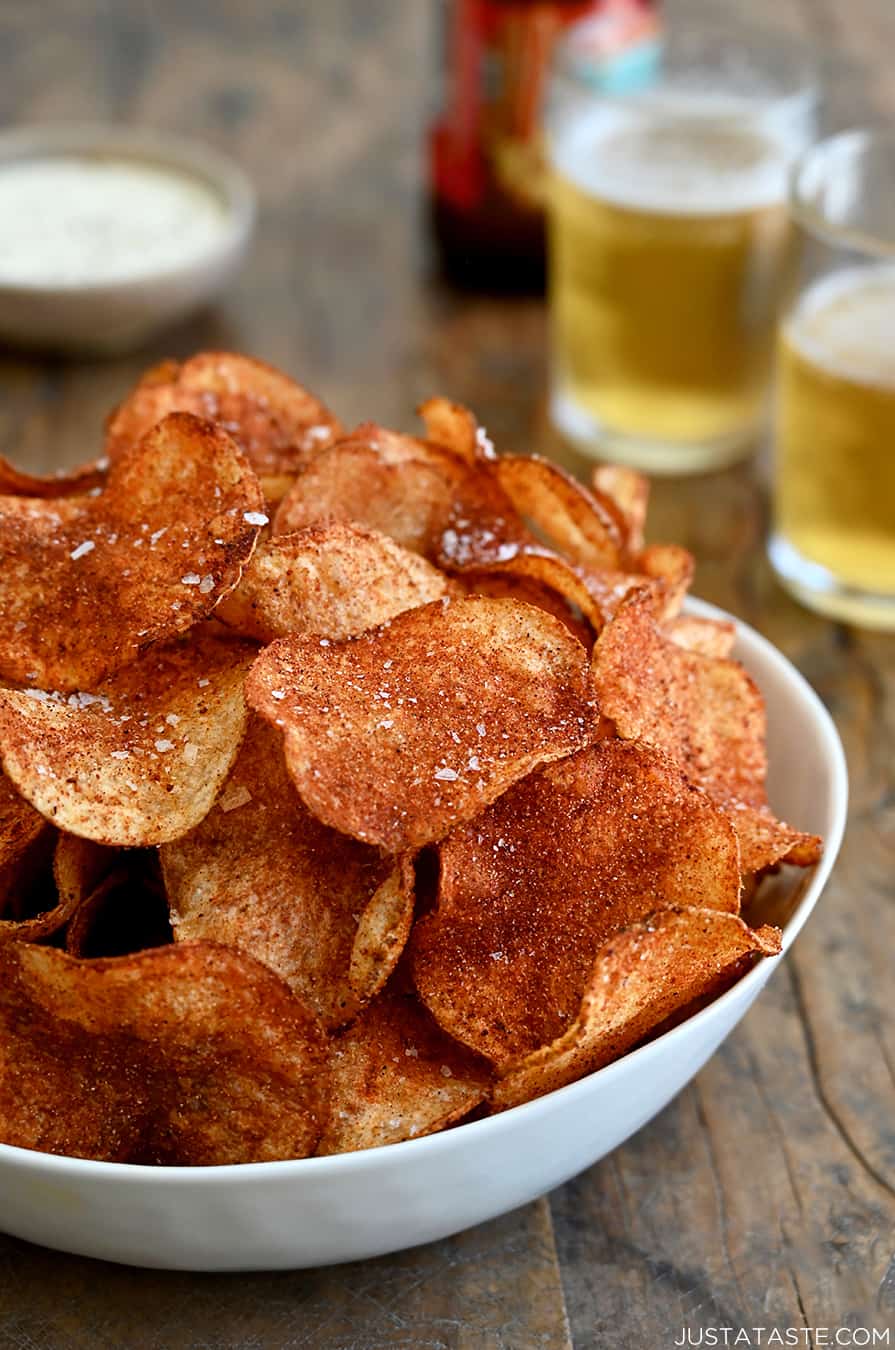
x=670, y=245
x=833, y=538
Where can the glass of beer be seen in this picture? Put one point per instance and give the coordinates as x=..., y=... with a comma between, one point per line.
x=833, y=538
x=670, y=246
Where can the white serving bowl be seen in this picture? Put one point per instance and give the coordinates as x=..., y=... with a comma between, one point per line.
x=282, y=1215
x=112, y=316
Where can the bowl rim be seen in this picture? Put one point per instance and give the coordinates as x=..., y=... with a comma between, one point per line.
x=220, y=174
x=444, y=1141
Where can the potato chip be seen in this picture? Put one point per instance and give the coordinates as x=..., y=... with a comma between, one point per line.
x=565, y=587
x=26, y=843
x=641, y=977
x=86, y=478
x=140, y=760
x=456, y=428
x=67, y=870
x=278, y=424
x=328, y=914
x=399, y=734
x=587, y=528
x=521, y=579
x=400, y=486
x=670, y=568
x=187, y=1056
x=79, y=865
x=593, y=593
x=333, y=580
x=127, y=912
x=591, y=571
x=705, y=713
x=709, y=637
x=87, y=583
x=396, y=1075
x=629, y=490
x=483, y=528
x=531, y=889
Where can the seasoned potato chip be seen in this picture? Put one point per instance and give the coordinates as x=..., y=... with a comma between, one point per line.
x=532, y=888
x=400, y=486
x=709, y=637
x=86, y=583
x=140, y=760
x=707, y=714
x=126, y=912
x=79, y=865
x=586, y=527
x=66, y=483
x=328, y=914
x=69, y=872
x=26, y=843
x=189, y=1055
x=560, y=587
x=456, y=428
x=670, y=568
x=397, y=735
x=640, y=978
x=396, y=1075
x=22, y=832
x=333, y=580
x=483, y=527
x=593, y=593
x=277, y=423
x=524, y=578
x=629, y=490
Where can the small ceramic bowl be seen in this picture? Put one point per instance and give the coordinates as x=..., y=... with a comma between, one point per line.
x=111, y=316
x=314, y=1211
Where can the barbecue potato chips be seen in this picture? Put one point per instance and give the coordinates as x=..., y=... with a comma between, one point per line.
x=88, y=582
x=276, y=422
x=395, y=736
x=328, y=914
x=182, y=1055
x=566, y=858
x=321, y=832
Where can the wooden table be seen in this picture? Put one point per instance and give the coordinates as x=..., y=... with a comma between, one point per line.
x=763, y=1196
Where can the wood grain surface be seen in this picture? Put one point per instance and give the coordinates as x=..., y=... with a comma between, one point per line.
x=763, y=1196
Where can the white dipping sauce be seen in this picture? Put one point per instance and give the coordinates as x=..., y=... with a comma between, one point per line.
x=72, y=221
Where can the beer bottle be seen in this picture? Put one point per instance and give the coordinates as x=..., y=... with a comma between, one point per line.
x=486, y=168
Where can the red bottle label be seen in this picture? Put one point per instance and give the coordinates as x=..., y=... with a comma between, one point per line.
x=487, y=141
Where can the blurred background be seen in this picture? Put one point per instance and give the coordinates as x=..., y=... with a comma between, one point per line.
x=327, y=108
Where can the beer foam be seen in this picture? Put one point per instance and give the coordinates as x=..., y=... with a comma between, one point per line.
x=682, y=155
x=845, y=324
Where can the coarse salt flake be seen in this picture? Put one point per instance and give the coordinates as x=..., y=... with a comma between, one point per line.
x=162, y=745
x=255, y=517
x=191, y=579
x=446, y=775
x=87, y=547
x=234, y=797
x=484, y=441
